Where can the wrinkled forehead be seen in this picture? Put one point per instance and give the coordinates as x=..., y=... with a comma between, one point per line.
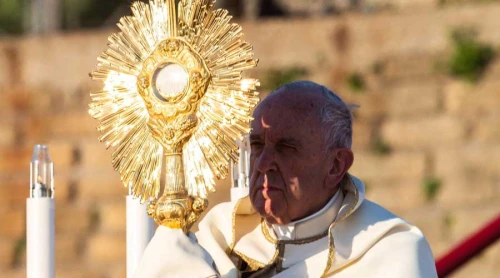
x=288, y=114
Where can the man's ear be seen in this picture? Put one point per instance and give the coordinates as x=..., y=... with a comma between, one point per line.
x=341, y=161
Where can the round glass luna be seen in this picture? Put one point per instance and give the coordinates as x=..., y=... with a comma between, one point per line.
x=169, y=82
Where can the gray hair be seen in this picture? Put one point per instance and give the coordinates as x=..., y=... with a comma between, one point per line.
x=336, y=115
x=337, y=121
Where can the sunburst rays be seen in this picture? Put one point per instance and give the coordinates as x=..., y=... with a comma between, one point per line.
x=224, y=112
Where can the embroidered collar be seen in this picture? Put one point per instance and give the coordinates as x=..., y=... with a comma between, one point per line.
x=312, y=225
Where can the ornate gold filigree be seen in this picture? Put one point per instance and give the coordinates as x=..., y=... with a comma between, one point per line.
x=345, y=183
x=190, y=133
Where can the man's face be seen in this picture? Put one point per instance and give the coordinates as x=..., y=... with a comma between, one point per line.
x=288, y=163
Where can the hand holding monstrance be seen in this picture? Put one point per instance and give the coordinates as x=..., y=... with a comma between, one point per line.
x=174, y=103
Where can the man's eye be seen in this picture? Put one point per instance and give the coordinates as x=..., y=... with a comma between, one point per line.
x=286, y=148
x=256, y=144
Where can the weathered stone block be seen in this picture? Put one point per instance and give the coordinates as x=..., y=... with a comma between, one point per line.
x=455, y=94
x=79, y=270
x=73, y=219
x=5, y=65
x=67, y=249
x=472, y=218
x=14, y=193
x=15, y=159
x=409, y=191
x=95, y=155
x=362, y=135
x=113, y=216
x=492, y=72
x=424, y=133
x=301, y=8
x=410, y=65
x=107, y=248
x=82, y=48
x=35, y=129
x=15, y=273
x=372, y=105
x=101, y=184
x=414, y=99
x=463, y=190
x=477, y=267
x=486, y=264
x=398, y=165
x=402, y=4
x=7, y=134
x=13, y=224
x=484, y=100
x=487, y=130
x=62, y=188
x=472, y=101
x=119, y=271
x=62, y=154
x=75, y=125
x=493, y=253
x=6, y=253
x=473, y=160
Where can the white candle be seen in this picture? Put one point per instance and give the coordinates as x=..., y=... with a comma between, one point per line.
x=40, y=208
x=241, y=171
x=140, y=230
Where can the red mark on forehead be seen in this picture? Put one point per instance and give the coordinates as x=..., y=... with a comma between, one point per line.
x=262, y=129
x=264, y=124
x=266, y=129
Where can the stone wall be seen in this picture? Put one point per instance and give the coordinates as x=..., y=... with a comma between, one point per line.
x=416, y=128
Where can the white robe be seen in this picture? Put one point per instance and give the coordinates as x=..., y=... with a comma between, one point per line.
x=351, y=237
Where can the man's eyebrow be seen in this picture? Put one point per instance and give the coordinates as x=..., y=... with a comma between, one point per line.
x=289, y=141
x=254, y=137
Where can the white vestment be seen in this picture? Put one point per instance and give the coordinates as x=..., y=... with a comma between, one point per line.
x=349, y=237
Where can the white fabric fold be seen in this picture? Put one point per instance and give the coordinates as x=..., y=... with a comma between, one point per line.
x=311, y=225
x=171, y=253
x=365, y=241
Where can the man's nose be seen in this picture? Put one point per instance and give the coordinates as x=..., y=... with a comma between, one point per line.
x=266, y=161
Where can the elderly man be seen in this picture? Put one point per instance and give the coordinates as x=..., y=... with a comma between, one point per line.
x=305, y=215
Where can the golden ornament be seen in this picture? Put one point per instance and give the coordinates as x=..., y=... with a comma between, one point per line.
x=174, y=102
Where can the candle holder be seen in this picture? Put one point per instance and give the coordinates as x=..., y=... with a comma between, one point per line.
x=240, y=174
x=40, y=216
x=174, y=102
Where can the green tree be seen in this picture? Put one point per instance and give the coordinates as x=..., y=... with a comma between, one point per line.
x=470, y=57
x=11, y=17
x=73, y=11
x=277, y=77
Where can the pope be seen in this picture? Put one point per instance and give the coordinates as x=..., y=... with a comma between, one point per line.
x=305, y=216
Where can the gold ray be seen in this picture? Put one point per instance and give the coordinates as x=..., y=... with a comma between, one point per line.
x=190, y=135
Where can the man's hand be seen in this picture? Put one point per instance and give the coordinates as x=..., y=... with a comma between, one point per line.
x=173, y=254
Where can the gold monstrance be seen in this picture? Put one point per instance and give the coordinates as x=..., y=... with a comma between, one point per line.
x=174, y=103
